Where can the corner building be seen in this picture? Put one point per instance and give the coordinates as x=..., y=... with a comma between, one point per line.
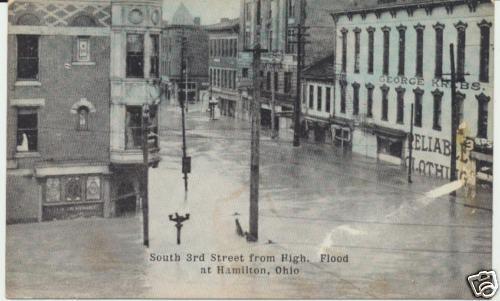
x=78, y=75
x=392, y=54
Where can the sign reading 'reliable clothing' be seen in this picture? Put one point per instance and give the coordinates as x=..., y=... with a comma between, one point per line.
x=436, y=82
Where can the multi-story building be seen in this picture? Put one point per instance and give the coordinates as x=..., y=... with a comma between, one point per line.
x=394, y=54
x=223, y=66
x=79, y=73
x=184, y=42
x=276, y=22
x=317, y=101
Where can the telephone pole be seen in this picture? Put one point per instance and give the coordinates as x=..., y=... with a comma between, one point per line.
x=253, y=234
x=145, y=179
x=300, y=41
x=186, y=161
x=410, y=145
x=454, y=119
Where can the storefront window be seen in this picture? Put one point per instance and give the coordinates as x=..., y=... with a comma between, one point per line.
x=53, y=190
x=73, y=189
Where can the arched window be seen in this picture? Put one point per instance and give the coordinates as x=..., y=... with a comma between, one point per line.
x=28, y=19
x=83, y=119
x=83, y=21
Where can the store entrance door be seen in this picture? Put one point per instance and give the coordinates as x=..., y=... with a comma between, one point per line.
x=125, y=204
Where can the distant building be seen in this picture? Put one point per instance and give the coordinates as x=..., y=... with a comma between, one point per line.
x=394, y=54
x=194, y=52
x=223, y=66
x=79, y=73
x=317, y=100
x=276, y=21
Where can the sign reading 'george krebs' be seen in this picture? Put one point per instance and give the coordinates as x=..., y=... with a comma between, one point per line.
x=436, y=82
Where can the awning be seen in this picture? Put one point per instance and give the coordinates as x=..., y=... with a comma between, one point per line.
x=389, y=132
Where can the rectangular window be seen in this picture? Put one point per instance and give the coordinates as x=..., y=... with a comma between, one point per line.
x=386, y=52
x=436, y=124
x=461, y=54
x=385, y=105
x=402, y=50
x=342, y=98
x=248, y=12
x=83, y=53
x=438, y=71
x=328, y=99
x=259, y=11
x=244, y=72
x=291, y=8
x=357, y=49
x=355, y=99
x=369, y=103
x=27, y=57
x=248, y=39
x=270, y=47
x=135, y=55
x=371, y=46
x=268, y=81
x=418, y=109
x=290, y=45
x=276, y=81
x=482, y=119
x=288, y=82
x=401, y=108
x=133, y=137
x=319, y=99
x=155, y=56
x=419, y=72
x=311, y=97
x=484, y=60
x=27, y=130
x=344, y=51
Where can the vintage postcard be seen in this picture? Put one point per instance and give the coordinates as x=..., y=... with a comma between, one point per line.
x=312, y=149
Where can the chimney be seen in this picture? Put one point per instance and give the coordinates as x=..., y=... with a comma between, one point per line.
x=197, y=21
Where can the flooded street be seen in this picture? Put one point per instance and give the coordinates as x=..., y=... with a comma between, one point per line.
x=393, y=241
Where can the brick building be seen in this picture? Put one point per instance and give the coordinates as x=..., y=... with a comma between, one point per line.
x=194, y=52
x=78, y=75
x=396, y=53
x=223, y=66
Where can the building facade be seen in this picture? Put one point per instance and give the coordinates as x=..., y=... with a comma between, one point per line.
x=276, y=22
x=395, y=54
x=223, y=66
x=67, y=124
x=184, y=44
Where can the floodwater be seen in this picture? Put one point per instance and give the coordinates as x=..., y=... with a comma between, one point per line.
x=392, y=241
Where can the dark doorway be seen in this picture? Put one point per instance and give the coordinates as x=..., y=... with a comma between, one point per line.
x=126, y=201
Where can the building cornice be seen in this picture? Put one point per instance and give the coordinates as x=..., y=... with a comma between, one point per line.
x=397, y=7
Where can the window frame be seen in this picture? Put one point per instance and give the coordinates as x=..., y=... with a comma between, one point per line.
x=24, y=39
x=437, y=110
x=35, y=130
x=136, y=72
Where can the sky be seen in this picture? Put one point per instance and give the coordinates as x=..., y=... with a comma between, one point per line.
x=210, y=11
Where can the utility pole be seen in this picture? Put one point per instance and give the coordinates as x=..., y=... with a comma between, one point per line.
x=300, y=28
x=186, y=83
x=454, y=119
x=410, y=145
x=253, y=234
x=274, y=66
x=145, y=178
x=186, y=161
